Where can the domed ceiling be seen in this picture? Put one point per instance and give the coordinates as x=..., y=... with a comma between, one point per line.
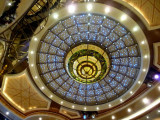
x=86, y=59
x=81, y=59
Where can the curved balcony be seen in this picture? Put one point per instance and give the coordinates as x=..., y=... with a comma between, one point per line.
x=23, y=6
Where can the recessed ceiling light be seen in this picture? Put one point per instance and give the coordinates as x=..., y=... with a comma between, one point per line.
x=145, y=100
x=61, y=102
x=40, y=118
x=145, y=56
x=156, y=76
x=42, y=88
x=113, y=117
x=31, y=52
x=129, y=110
x=7, y=113
x=144, y=70
x=107, y=9
x=9, y=4
x=123, y=17
x=89, y=7
x=131, y=92
x=135, y=29
x=35, y=39
x=72, y=106
x=71, y=8
x=55, y=15
x=97, y=108
x=147, y=117
x=109, y=105
x=142, y=42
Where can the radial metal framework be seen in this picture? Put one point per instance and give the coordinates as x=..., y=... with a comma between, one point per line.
x=123, y=52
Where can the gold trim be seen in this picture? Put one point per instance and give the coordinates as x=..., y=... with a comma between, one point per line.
x=100, y=9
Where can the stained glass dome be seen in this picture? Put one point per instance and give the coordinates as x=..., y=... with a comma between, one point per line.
x=87, y=63
x=88, y=59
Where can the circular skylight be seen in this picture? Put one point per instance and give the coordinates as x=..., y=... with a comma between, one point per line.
x=88, y=59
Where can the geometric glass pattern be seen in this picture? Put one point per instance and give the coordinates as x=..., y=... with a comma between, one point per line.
x=87, y=63
x=102, y=31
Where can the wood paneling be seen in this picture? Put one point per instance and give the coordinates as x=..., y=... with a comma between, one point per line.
x=150, y=9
